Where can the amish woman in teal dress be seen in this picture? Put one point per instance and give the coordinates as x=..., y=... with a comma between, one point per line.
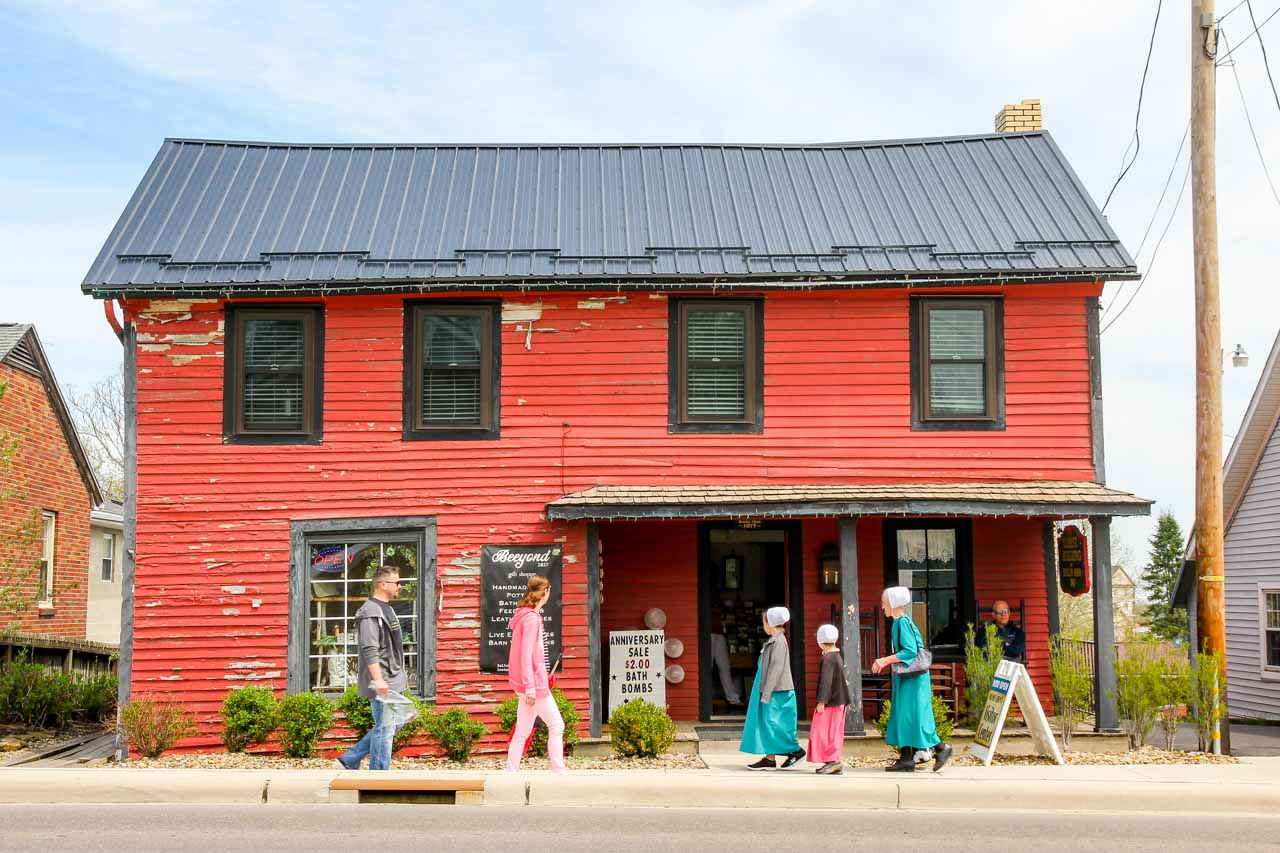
x=911, y=725
x=771, y=714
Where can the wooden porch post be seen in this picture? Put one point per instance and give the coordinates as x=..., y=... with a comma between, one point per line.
x=850, y=627
x=1104, y=630
x=593, y=630
x=1051, y=580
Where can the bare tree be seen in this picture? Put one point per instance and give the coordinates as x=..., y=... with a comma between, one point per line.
x=99, y=415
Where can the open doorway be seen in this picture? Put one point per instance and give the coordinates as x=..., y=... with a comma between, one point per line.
x=742, y=571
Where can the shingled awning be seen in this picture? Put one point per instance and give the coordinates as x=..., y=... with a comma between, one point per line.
x=1060, y=499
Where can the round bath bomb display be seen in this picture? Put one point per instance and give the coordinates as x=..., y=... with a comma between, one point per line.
x=674, y=673
x=655, y=618
x=673, y=647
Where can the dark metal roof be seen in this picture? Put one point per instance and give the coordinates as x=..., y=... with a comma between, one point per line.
x=215, y=216
x=1060, y=499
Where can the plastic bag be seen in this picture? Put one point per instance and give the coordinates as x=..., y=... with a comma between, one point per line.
x=397, y=709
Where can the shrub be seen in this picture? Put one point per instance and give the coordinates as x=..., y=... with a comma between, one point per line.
x=152, y=725
x=641, y=729
x=506, y=714
x=1207, y=705
x=249, y=715
x=942, y=720
x=455, y=731
x=1072, y=685
x=1175, y=695
x=96, y=697
x=359, y=714
x=34, y=696
x=1139, y=688
x=979, y=669
x=304, y=719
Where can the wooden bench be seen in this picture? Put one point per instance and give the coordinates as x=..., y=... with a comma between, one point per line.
x=406, y=789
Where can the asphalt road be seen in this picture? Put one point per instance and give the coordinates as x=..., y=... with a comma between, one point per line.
x=138, y=829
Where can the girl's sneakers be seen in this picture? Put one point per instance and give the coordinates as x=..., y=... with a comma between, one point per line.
x=831, y=768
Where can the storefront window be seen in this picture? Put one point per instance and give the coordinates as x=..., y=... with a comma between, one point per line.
x=927, y=565
x=339, y=577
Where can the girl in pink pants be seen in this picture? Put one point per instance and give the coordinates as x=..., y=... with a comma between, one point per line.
x=527, y=670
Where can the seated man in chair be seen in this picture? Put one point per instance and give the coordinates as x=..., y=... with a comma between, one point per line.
x=1015, y=640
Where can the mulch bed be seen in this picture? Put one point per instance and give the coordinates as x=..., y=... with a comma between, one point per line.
x=1145, y=755
x=242, y=761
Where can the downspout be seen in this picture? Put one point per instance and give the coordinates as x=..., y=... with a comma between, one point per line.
x=124, y=669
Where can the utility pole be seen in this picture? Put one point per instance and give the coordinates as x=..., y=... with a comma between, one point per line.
x=1210, y=565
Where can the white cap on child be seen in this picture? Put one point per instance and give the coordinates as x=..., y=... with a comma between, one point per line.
x=828, y=635
x=777, y=616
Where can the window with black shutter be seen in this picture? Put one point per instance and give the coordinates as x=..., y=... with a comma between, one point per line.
x=716, y=357
x=452, y=360
x=274, y=375
x=957, y=358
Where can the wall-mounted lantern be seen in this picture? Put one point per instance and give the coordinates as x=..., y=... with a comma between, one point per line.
x=829, y=568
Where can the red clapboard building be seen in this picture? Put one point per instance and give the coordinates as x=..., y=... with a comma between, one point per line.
x=717, y=377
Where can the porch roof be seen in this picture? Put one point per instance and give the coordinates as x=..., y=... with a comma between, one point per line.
x=1029, y=498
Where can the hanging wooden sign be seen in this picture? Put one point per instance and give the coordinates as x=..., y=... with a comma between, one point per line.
x=1073, y=561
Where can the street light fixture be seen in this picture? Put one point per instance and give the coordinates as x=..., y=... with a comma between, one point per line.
x=1239, y=358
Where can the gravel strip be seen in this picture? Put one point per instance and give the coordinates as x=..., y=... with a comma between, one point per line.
x=1145, y=755
x=242, y=761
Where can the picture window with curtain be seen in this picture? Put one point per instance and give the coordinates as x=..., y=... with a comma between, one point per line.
x=957, y=363
x=452, y=370
x=933, y=559
x=274, y=375
x=716, y=357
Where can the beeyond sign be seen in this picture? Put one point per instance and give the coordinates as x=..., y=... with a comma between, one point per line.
x=504, y=578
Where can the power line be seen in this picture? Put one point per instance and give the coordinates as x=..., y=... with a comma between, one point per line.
x=1136, y=141
x=1173, y=168
x=1257, y=27
x=1233, y=8
x=1249, y=119
x=1154, y=252
x=1262, y=44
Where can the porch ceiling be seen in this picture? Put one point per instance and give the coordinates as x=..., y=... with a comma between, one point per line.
x=1026, y=498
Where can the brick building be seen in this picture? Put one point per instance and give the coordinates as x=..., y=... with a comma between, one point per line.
x=46, y=494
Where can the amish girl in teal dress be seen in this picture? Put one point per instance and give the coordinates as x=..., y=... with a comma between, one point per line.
x=911, y=724
x=771, y=714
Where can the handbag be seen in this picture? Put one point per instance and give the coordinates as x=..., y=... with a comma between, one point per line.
x=924, y=660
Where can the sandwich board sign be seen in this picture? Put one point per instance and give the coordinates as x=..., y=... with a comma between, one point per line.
x=637, y=665
x=1011, y=681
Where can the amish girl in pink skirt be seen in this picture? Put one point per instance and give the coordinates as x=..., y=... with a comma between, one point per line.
x=826, y=733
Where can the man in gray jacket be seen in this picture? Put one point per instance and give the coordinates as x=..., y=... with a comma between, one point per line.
x=381, y=668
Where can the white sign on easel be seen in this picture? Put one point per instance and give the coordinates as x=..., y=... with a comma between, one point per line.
x=637, y=667
x=1012, y=681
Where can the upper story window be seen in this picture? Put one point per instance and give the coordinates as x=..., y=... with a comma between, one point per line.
x=452, y=370
x=957, y=363
x=49, y=523
x=274, y=375
x=716, y=363
x=108, y=557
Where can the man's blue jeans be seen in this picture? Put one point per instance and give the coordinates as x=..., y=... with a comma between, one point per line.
x=376, y=743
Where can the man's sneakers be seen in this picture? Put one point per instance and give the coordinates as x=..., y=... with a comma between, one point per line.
x=793, y=759
x=763, y=764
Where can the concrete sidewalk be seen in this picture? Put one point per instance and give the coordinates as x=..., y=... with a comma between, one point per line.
x=1248, y=788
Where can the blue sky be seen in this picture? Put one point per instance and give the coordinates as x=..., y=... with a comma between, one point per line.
x=89, y=90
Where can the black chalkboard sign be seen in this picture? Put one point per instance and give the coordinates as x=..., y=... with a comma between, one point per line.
x=504, y=578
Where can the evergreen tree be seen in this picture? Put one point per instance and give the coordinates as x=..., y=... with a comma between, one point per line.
x=1161, y=575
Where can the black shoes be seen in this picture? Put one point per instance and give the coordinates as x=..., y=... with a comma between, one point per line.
x=906, y=762
x=941, y=756
x=793, y=759
x=763, y=764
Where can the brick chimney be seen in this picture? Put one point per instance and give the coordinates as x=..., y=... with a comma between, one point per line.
x=1017, y=118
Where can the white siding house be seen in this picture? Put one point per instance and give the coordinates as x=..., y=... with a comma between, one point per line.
x=1251, y=511
x=106, y=556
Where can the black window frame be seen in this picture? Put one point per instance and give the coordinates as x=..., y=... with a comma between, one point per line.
x=678, y=420
x=964, y=572
x=312, y=317
x=922, y=418
x=490, y=426
x=305, y=534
